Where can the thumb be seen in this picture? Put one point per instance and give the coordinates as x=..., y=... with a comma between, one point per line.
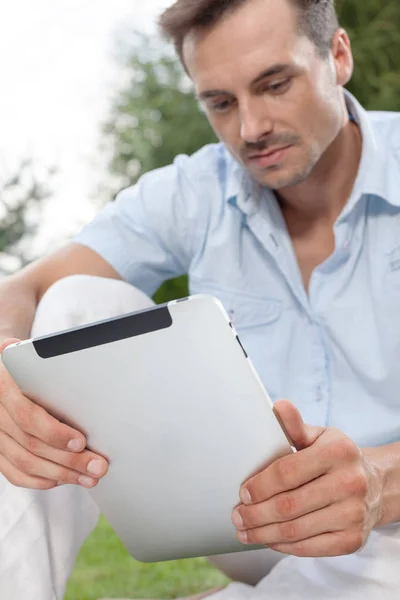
x=8, y=342
x=300, y=434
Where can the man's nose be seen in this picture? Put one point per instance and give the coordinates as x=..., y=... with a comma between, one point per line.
x=255, y=121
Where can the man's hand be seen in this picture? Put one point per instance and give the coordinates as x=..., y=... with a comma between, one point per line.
x=323, y=500
x=36, y=450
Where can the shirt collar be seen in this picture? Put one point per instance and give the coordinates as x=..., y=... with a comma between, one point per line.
x=379, y=165
x=378, y=173
x=242, y=191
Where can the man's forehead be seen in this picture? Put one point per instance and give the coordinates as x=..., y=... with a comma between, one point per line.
x=250, y=39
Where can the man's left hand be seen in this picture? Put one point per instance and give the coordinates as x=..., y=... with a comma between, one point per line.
x=323, y=500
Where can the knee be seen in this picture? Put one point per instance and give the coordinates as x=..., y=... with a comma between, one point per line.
x=73, y=293
x=70, y=288
x=64, y=305
x=81, y=299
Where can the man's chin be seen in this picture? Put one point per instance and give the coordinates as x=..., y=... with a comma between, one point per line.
x=278, y=179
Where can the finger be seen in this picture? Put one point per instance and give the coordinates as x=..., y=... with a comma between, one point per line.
x=19, y=479
x=301, y=434
x=286, y=473
x=319, y=493
x=34, y=420
x=336, y=517
x=339, y=543
x=8, y=342
x=34, y=466
x=85, y=462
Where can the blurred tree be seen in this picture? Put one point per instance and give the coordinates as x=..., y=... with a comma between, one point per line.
x=374, y=29
x=21, y=197
x=154, y=115
x=153, y=118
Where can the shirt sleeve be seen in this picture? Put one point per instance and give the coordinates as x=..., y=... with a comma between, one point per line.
x=148, y=234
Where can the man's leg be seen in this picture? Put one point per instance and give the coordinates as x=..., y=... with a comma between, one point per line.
x=247, y=567
x=41, y=532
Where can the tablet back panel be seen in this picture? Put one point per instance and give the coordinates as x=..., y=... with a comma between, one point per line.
x=169, y=397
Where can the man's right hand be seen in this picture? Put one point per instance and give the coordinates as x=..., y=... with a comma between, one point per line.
x=36, y=450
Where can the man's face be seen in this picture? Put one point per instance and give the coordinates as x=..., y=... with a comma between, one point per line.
x=269, y=96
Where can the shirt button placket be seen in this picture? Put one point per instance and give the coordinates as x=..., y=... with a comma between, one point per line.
x=320, y=387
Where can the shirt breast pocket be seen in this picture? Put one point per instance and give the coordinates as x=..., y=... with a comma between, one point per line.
x=246, y=312
x=257, y=322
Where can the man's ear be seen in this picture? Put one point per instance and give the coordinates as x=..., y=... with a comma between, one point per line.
x=342, y=57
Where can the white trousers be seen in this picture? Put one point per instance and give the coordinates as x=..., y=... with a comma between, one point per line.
x=41, y=531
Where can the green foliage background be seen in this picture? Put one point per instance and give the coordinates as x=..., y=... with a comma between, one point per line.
x=374, y=30
x=22, y=195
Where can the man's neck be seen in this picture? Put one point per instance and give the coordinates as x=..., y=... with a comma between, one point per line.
x=323, y=195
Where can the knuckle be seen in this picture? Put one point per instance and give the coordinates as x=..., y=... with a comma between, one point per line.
x=24, y=463
x=285, y=506
x=352, y=542
x=51, y=429
x=65, y=475
x=359, y=513
x=343, y=448
x=288, y=531
x=76, y=462
x=300, y=551
x=250, y=516
x=32, y=444
x=23, y=416
x=354, y=483
x=285, y=472
x=360, y=484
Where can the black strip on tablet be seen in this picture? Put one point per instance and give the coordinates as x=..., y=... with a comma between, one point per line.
x=104, y=332
x=241, y=345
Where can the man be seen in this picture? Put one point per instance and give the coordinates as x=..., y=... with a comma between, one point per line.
x=293, y=221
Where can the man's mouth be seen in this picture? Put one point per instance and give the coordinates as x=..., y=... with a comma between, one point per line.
x=269, y=157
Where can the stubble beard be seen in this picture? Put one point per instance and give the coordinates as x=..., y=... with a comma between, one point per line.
x=289, y=179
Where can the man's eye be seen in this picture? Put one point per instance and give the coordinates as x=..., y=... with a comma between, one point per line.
x=221, y=107
x=279, y=87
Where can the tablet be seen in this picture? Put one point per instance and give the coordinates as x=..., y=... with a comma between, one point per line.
x=169, y=396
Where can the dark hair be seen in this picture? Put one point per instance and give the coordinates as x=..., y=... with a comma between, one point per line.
x=317, y=19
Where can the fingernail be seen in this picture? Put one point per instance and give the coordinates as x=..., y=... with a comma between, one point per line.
x=245, y=496
x=237, y=519
x=242, y=537
x=86, y=481
x=95, y=467
x=75, y=445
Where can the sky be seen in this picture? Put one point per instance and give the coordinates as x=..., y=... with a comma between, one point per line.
x=57, y=75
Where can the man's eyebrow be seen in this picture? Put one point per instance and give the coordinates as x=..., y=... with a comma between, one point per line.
x=211, y=94
x=274, y=70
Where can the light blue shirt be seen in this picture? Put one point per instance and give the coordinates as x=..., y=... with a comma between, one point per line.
x=335, y=352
